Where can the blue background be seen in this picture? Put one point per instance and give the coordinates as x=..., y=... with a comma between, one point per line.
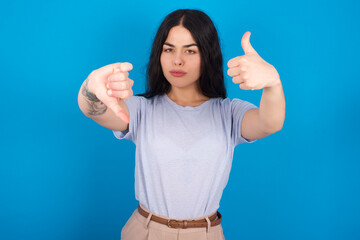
x=62, y=176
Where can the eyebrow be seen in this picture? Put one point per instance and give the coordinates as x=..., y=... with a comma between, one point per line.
x=189, y=45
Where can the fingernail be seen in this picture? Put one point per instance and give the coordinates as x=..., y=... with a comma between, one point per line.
x=117, y=69
x=109, y=92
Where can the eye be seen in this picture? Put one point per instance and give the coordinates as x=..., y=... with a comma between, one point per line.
x=168, y=50
x=190, y=51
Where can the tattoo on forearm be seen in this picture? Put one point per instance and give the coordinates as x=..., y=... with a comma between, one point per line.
x=96, y=107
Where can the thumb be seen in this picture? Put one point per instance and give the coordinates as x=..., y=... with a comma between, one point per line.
x=245, y=43
x=113, y=104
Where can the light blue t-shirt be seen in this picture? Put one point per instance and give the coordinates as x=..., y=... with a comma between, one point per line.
x=183, y=154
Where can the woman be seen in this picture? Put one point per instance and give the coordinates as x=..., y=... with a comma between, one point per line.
x=184, y=127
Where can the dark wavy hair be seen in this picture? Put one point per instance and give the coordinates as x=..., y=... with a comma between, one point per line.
x=211, y=81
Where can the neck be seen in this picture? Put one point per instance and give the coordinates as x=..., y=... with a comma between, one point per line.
x=187, y=97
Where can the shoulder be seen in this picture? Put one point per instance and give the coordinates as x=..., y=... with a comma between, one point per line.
x=143, y=99
x=232, y=107
x=143, y=103
x=229, y=103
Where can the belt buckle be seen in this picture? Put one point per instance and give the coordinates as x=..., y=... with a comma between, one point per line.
x=168, y=222
x=185, y=223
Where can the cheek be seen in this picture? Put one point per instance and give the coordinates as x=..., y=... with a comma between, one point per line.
x=163, y=61
x=197, y=64
x=196, y=61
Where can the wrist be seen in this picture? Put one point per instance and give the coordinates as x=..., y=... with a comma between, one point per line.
x=88, y=84
x=88, y=92
x=275, y=82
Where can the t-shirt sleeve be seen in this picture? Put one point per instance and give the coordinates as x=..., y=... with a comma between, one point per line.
x=135, y=106
x=238, y=110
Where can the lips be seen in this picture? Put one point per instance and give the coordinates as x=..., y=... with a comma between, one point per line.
x=177, y=73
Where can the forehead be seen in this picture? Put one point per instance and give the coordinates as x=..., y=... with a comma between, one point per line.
x=179, y=35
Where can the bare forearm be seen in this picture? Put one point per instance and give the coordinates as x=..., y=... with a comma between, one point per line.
x=89, y=104
x=272, y=108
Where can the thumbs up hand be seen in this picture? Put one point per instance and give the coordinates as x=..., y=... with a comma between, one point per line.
x=250, y=70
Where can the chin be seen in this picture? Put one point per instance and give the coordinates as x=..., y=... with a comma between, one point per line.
x=180, y=83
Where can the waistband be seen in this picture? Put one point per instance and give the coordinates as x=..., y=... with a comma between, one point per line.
x=212, y=220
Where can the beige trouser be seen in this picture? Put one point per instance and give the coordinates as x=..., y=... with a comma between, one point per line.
x=140, y=228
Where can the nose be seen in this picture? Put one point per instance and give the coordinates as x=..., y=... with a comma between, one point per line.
x=178, y=60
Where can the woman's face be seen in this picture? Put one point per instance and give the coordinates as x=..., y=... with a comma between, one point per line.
x=180, y=58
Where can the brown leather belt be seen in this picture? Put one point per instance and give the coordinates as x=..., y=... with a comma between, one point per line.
x=215, y=219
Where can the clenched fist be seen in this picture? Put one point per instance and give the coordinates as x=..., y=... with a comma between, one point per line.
x=110, y=84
